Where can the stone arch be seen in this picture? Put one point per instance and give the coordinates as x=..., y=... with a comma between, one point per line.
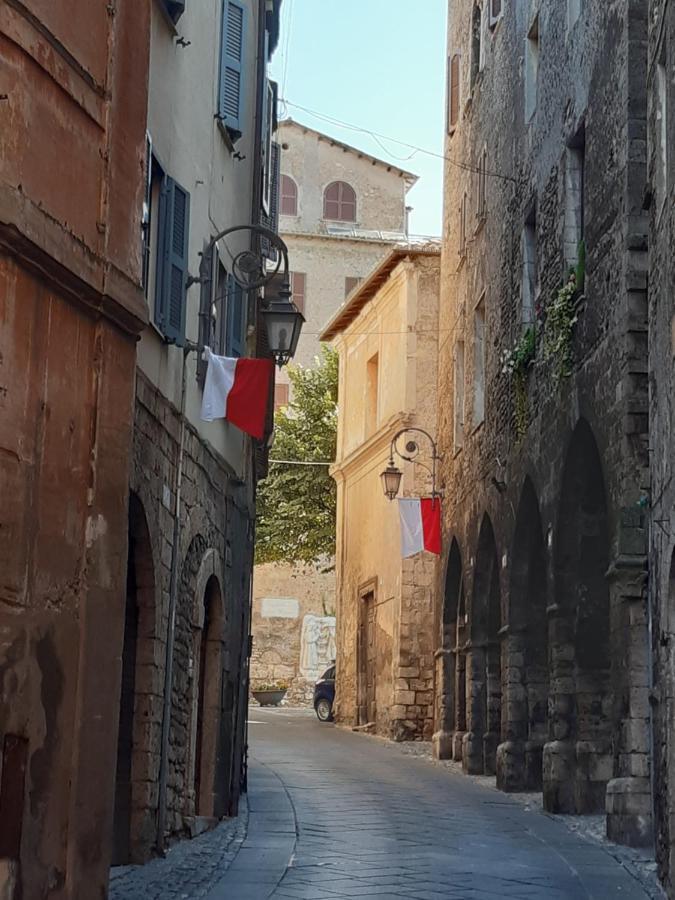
x=519, y=760
x=450, y=663
x=578, y=760
x=483, y=667
x=208, y=667
x=140, y=701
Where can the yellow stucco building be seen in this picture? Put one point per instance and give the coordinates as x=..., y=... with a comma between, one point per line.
x=386, y=334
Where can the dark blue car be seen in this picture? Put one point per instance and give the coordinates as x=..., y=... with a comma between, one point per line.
x=324, y=695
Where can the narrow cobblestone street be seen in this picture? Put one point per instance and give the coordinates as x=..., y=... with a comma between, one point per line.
x=334, y=815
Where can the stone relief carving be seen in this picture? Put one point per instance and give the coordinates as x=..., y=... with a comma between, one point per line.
x=317, y=645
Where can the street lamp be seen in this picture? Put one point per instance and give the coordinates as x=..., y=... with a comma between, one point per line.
x=283, y=320
x=391, y=477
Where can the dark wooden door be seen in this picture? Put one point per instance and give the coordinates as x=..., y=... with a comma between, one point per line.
x=371, y=662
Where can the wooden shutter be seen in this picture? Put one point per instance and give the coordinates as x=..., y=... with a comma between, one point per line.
x=453, y=92
x=298, y=288
x=174, y=222
x=289, y=196
x=232, y=48
x=271, y=220
x=236, y=318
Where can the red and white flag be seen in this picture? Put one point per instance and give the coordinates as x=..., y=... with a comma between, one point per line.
x=237, y=390
x=420, y=525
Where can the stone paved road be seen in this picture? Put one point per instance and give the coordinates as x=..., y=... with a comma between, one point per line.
x=354, y=819
x=334, y=815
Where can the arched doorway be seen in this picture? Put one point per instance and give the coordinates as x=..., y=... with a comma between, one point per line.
x=133, y=744
x=451, y=698
x=526, y=653
x=484, y=709
x=578, y=760
x=209, y=653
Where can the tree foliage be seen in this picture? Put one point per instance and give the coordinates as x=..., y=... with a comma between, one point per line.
x=296, y=504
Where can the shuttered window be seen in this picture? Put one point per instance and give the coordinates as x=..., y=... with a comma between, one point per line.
x=298, y=281
x=453, y=92
x=339, y=202
x=271, y=220
x=172, y=260
x=235, y=343
x=231, y=95
x=289, y=196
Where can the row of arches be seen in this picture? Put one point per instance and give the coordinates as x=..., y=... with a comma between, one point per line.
x=202, y=762
x=525, y=679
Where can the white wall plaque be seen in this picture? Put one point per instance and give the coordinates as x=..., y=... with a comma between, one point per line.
x=279, y=608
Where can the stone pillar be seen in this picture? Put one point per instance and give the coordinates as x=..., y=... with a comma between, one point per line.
x=460, y=703
x=628, y=799
x=511, y=766
x=559, y=757
x=443, y=739
x=493, y=681
x=476, y=690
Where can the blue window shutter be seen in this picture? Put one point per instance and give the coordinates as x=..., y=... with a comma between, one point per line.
x=236, y=318
x=231, y=90
x=161, y=273
x=174, y=227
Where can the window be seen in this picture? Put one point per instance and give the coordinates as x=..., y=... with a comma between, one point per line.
x=574, y=10
x=166, y=221
x=289, y=196
x=481, y=204
x=476, y=43
x=530, y=273
x=270, y=218
x=496, y=7
x=575, y=160
x=661, y=132
x=280, y=396
x=231, y=93
x=339, y=202
x=479, y=362
x=267, y=153
x=458, y=390
x=174, y=9
x=298, y=280
x=371, y=394
x=350, y=283
x=236, y=316
x=462, y=227
x=531, y=69
x=453, y=92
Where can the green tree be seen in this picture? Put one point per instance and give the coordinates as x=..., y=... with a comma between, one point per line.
x=296, y=504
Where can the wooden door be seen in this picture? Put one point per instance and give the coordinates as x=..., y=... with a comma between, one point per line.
x=367, y=656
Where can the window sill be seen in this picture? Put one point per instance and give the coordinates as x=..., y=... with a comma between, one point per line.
x=229, y=137
x=477, y=428
x=457, y=451
x=462, y=260
x=480, y=224
x=167, y=18
x=495, y=24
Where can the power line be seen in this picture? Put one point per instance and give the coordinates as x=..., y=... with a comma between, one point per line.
x=299, y=462
x=375, y=135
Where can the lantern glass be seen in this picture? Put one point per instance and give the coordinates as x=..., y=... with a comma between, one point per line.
x=283, y=321
x=391, y=480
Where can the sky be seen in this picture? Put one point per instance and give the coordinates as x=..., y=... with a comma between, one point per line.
x=378, y=65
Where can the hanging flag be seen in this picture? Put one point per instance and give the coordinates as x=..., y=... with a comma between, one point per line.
x=237, y=390
x=420, y=525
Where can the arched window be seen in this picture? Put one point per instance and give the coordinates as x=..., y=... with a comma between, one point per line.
x=339, y=202
x=289, y=196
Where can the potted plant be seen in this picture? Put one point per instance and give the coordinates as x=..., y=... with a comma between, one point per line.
x=270, y=694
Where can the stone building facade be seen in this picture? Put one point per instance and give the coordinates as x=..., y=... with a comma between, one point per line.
x=542, y=660
x=210, y=162
x=333, y=244
x=386, y=336
x=660, y=200
x=73, y=82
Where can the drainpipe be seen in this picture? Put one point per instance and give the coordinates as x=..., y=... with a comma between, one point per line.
x=171, y=626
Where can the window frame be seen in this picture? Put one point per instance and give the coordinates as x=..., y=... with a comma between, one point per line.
x=340, y=202
x=454, y=83
x=479, y=353
x=283, y=196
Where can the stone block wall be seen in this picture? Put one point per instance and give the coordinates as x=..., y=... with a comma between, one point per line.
x=541, y=634
x=211, y=625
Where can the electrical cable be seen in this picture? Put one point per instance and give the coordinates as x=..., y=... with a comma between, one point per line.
x=467, y=167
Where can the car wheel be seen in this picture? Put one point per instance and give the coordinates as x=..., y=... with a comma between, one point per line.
x=323, y=710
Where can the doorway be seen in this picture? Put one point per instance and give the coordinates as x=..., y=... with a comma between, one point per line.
x=367, y=676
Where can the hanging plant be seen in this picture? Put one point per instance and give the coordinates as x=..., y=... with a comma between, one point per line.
x=516, y=363
x=561, y=317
